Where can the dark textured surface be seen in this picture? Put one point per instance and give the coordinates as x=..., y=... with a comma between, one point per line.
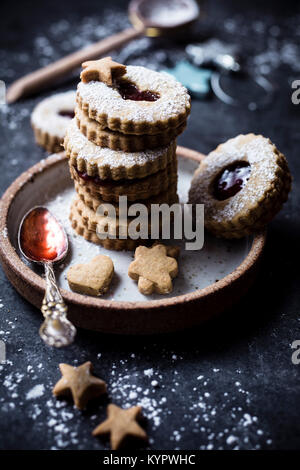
x=231, y=384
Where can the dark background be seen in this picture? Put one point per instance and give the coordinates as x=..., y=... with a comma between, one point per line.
x=230, y=384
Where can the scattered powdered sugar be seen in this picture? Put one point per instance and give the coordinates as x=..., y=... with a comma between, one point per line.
x=46, y=116
x=259, y=152
x=148, y=372
x=276, y=44
x=174, y=99
x=205, y=408
x=231, y=440
x=35, y=392
x=45, y=412
x=88, y=151
x=220, y=416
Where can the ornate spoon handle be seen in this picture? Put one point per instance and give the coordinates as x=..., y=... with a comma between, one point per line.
x=56, y=329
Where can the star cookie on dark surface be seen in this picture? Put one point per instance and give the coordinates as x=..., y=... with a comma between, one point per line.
x=79, y=383
x=121, y=424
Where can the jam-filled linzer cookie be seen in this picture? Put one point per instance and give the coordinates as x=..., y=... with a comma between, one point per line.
x=126, y=142
x=242, y=184
x=50, y=119
x=94, y=200
x=106, y=163
x=136, y=188
x=136, y=101
x=122, y=143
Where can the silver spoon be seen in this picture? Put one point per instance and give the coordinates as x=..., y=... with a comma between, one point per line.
x=43, y=240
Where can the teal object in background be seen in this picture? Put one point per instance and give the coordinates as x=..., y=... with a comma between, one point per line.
x=195, y=79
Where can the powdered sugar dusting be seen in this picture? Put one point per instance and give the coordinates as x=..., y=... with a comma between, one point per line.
x=172, y=13
x=35, y=392
x=259, y=152
x=105, y=156
x=174, y=98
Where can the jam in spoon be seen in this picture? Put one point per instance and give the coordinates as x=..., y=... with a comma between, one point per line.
x=43, y=240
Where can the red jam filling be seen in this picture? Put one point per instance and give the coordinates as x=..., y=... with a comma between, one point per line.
x=86, y=177
x=231, y=180
x=66, y=113
x=129, y=91
x=41, y=236
x=100, y=182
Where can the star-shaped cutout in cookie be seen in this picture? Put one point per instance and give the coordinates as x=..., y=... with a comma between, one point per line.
x=153, y=269
x=104, y=70
x=80, y=383
x=121, y=424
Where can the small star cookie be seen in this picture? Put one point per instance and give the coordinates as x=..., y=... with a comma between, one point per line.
x=153, y=269
x=121, y=424
x=104, y=70
x=80, y=383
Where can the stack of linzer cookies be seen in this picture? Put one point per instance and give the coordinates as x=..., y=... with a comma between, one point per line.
x=122, y=142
